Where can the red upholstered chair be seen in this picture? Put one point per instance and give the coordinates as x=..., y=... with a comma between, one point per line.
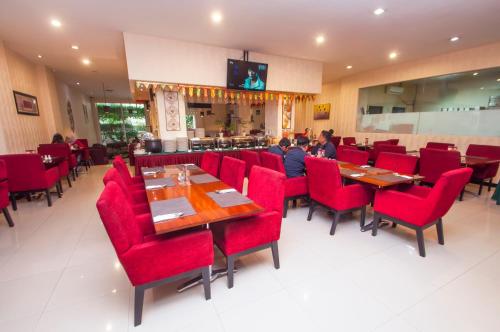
x=232, y=172
x=375, y=150
x=388, y=148
x=251, y=158
x=82, y=142
x=61, y=150
x=354, y=156
x=243, y=236
x=485, y=172
x=210, y=163
x=439, y=146
x=121, y=167
x=4, y=193
x=326, y=189
x=397, y=162
x=27, y=174
x=393, y=141
x=336, y=140
x=295, y=188
x=349, y=140
x=86, y=160
x=435, y=162
x=137, y=198
x=99, y=154
x=420, y=207
x=151, y=261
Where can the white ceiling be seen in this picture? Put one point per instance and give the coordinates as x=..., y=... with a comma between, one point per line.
x=353, y=34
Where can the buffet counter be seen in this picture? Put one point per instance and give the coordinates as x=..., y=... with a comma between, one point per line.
x=164, y=158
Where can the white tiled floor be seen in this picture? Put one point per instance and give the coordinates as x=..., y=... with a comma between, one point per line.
x=59, y=272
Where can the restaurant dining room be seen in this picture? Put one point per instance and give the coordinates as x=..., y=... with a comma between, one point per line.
x=233, y=166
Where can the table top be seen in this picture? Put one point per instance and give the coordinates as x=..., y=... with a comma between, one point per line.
x=378, y=177
x=478, y=161
x=207, y=210
x=54, y=162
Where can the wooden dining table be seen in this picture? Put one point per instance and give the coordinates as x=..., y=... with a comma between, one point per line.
x=478, y=161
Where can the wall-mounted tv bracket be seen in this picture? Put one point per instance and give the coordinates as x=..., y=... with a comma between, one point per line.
x=245, y=55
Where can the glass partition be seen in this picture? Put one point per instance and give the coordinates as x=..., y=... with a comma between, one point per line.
x=120, y=122
x=456, y=104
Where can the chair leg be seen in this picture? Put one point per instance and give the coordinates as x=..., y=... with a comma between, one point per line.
x=490, y=183
x=49, y=199
x=205, y=273
x=8, y=217
x=73, y=174
x=480, y=188
x=294, y=203
x=230, y=271
x=285, y=207
x=276, y=255
x=440, y=232
x=138, y=304
x=13, y=201
x=59, y=189
x=421, y=244
x=69, y=181
x=336, y=218
x=376, y=220
x=462, y=194
x=28, y=197
x=311, y=210
x=362, y=217
x=60, y=186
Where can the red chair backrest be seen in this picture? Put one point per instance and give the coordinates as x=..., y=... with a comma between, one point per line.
x=346, y=147
x=55, y=150
x=354, y=156
x=232, y=172
x=439, y=146
x=393, y=141
x=4, y=185
x=445, y=191
x=336, y=140
x=487, y=151
x=251, y=158
x=349, y=140
x=26, y=171
x=397, y=162
x=122, y=169
x=435, y=162
x=210, y=162
x=82, y=142
x=118, y=218
x=272, y=161
x=388, y=148
x=267, y=188
x=113, y=175
x=323, y=178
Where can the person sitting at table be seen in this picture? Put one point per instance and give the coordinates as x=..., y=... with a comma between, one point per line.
x=294, y=161
x=307, y=133
x=324, y=148
x=331, y=131
x=57, y=139
x=281, y=148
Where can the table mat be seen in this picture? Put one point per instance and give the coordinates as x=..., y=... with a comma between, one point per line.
x=229, y=199
x=153, y=169
x=173, y=205
x=203, y=178
x=389, y=178
x=189, y=167
x=347, y=171
x=168, y=182
x=374, y=170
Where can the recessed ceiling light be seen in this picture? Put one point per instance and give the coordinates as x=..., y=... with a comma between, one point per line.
x=86, y=61
x=482, y=88
x=216, y=17
x=393, y=55
x=454, y=38
x=39, y=56
x=475, y=74
x=348, y=67
x=56, y=23
x=77, y=83
x=75, y=47
x=498, y=79
x=379, y=11
x=320, y=39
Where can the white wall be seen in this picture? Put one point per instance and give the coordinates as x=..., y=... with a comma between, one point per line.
x=172, y=61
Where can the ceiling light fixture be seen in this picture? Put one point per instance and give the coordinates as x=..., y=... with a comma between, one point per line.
x=86, y=61
x=475, y=74
x=39, y=56
x=379, y=11
x=77, y=83
x=454, y=39
x=481, y=88
x=498, y=79
x=348, y=67
x=393, y=55
x=75, y=47
x=320, y=39
x=216, y=16
x=55, y=23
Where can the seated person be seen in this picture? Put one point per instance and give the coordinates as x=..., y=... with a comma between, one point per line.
x=57, y=139
x=325, y=148
x=331, y=131
x=281, y=148
x=294, y=160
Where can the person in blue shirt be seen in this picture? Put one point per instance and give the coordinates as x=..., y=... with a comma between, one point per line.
x=325, y=148
x=281, y=148
x=294, y=160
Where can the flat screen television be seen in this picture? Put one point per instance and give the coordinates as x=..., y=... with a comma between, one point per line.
x=246, y=75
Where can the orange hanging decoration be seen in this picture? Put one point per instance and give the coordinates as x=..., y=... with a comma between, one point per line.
x=191, y=91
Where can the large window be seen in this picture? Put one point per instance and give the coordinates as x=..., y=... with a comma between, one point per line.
x=456, y=104
x=121, y=122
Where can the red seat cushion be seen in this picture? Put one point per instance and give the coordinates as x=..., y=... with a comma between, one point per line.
x=296, y=186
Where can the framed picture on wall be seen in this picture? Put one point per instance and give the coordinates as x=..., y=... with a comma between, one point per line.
x=172, y=110
x=26, y=104
x=322, y=111
x=287, y=114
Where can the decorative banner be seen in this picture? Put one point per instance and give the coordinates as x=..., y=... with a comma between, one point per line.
x=191, y=91
x=287, y=114
x=212, y=93
x=172, y=110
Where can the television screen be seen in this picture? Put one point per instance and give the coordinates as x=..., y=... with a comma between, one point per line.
x=245, y=75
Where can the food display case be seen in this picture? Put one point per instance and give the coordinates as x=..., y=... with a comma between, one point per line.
x=261, y=141
x=242, y=142
x=224, y=142
x=201, y=144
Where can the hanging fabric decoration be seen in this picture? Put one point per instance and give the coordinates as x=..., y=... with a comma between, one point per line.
x=191, y=91
x=205, y=92
x=198, y=92
x=212, y=93
x=183, y=91
x=220, y=93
